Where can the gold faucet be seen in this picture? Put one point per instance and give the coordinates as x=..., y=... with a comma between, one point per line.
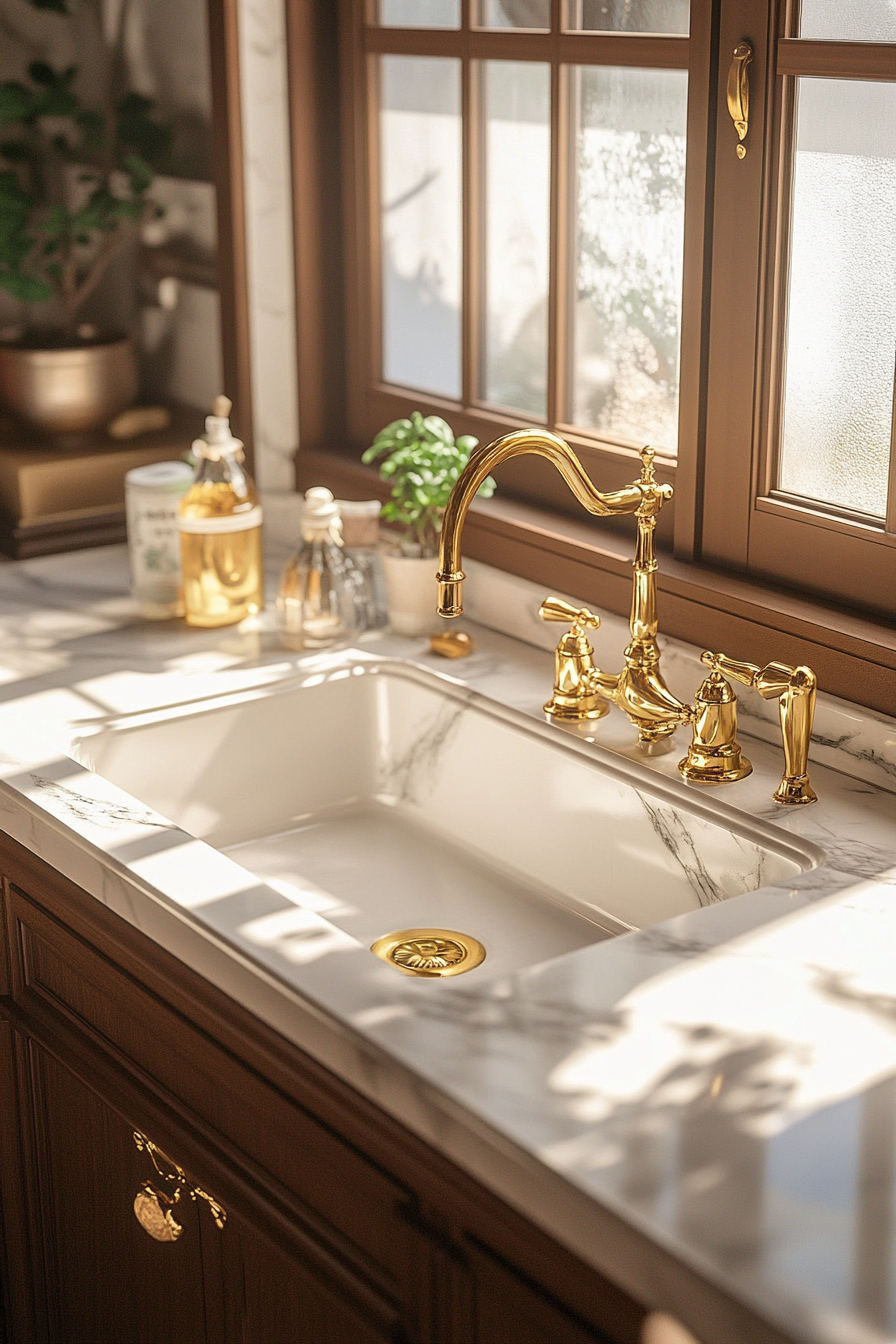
x=581, y=689
x=639, y=689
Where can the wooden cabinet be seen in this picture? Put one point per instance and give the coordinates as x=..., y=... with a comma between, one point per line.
x=341, y=1227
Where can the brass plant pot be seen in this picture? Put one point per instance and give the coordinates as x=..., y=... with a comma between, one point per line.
x=68, y=389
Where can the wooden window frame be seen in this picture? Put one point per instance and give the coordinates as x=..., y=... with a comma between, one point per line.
x=532, y=527
x=372, y=402
x=751, y=525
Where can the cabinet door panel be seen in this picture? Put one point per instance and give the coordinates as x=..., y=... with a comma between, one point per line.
x=108, y=1279
x=502, y=1297
x=358, y=1201
x=273, y=1298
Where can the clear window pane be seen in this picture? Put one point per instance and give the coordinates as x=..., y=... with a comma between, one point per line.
x=631, y=138
x=841, y=322
x=631, y=16
x=532, y=14
x=419, y=13
x=517, y=110
x=849, y=20
x=420, y=195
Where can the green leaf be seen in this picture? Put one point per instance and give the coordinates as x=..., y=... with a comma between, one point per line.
x=140, y=174
x=139, y=133
x=25, y=287
x=16, y=102
x=42, y=73
x=15, y=151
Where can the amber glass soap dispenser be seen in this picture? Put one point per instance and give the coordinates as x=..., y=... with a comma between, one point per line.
x=220, y=530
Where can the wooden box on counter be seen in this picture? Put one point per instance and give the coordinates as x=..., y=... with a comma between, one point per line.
x=55, y=497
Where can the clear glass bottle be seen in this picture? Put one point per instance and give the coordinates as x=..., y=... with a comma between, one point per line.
x=220, y=531
x=360, y=535
x=317, y=604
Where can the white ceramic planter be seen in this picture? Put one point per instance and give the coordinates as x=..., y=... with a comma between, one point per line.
x=411, y=594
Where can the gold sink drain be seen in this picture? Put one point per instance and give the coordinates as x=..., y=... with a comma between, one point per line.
x=430, y=952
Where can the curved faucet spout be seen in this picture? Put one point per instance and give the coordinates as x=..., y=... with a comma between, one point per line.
x=630, y=499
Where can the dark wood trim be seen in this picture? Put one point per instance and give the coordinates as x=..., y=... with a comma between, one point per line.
x=313, y=57
x=852, y=653
x=736, y=292
x=232, y=253
x=561, y=239
x=837, y=60
x=667, y=53
x=473, y=230
x=703, y=79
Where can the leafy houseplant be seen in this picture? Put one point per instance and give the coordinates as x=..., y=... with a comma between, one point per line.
x=74, y=183
x=422, y=460
x=422, y=463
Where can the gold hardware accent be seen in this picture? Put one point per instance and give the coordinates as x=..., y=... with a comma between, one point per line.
x=452, y=644
x=639, y=689
x=575, y=696
x=155, y=1219
x=794, y=688
x=739, y=94
x=430, y=953
x=158, y=1222
x=714, y=756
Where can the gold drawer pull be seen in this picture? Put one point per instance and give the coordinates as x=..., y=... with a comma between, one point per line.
x=739, y=94
x=153, y=1208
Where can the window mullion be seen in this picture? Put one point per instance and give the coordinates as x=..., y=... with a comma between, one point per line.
x=562, y=213
x=471, y=247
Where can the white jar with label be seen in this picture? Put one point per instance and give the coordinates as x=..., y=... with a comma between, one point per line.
x=152, y=495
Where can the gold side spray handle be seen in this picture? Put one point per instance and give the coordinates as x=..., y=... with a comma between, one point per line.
x=794, y=688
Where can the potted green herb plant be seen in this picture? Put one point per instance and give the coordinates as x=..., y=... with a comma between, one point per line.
x=74, y=184
x=421, y=460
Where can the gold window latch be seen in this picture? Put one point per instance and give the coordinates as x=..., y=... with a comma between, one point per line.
x=739, y=94
x=154, y=1207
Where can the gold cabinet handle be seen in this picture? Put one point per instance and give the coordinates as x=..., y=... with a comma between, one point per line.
x=739, y=94
x=154, y=1208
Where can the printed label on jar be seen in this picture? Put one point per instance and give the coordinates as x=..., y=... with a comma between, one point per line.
x=154, y=545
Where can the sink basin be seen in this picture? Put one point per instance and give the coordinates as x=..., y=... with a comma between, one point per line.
x=384, y=798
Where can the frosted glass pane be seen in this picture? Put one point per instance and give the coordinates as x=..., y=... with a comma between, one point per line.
x=531, y=14
x=629, y=16
x=849, y=20
x=419, y=13
x=420, y=194
x=517, y=96
x=841, y=325
x=631, y=141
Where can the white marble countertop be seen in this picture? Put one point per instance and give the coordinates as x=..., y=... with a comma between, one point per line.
x=705, y=1111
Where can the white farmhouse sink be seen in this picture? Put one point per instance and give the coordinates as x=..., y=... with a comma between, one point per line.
x=385, y=798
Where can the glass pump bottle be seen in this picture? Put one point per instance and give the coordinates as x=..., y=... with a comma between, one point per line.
x=219, y=521
x=318, y=601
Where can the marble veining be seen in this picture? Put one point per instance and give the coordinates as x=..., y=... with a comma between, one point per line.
x=704, y=1109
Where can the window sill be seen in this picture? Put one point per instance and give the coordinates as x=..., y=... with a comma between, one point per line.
x=853, y=655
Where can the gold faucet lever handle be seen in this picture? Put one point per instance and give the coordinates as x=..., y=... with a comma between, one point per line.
x=555, y=609
x=745, y=673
